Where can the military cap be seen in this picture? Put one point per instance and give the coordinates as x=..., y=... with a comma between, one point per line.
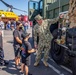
x=38, y=17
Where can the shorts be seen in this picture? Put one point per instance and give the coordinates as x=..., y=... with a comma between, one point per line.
x=25, y=60
x=17, y=52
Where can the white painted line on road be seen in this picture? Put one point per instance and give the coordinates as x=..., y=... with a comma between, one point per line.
x=51, y=59
x=66, y=68
x=53, y=68
x=56, y=70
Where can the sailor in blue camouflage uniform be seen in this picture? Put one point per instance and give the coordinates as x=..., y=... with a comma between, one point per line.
x=41, y=29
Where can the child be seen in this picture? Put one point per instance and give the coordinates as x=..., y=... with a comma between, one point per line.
x=26, y=51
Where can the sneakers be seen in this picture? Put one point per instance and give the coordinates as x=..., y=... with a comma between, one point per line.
x=45, y=63
x=36, y=63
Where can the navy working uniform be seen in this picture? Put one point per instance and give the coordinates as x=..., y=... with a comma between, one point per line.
x=45, y=38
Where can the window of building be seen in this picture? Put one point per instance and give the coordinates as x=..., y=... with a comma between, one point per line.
x=65, y=7
x=50, y=14
x=33, y=5
x=41, y=5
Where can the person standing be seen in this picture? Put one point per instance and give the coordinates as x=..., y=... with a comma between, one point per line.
x=9, y=25
x=25, y=26
x=17, y=42
x=1, y=24
x=45, y=37
x=3, y=62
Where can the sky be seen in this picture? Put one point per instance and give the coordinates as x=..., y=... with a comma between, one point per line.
x=20, y=4
x=35, y=0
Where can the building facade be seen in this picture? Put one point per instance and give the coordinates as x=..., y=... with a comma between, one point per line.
x=48, y=8
x=56, y=7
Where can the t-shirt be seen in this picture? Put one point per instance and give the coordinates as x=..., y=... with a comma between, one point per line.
x=26, y=46
x=16, y=33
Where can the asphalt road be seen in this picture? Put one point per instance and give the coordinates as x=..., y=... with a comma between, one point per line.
x=53, y=69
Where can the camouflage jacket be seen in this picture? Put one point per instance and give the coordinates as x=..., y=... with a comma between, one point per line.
x=43, y=31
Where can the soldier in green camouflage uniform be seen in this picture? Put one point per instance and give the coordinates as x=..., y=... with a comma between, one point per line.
x=42, y=30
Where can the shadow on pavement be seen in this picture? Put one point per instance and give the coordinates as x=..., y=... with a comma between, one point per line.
x=11, y=69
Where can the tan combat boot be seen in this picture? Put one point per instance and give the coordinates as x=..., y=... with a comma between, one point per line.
x=45, y=63
x=36, y=64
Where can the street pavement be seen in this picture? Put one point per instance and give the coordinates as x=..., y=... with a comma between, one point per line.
x=53, y=69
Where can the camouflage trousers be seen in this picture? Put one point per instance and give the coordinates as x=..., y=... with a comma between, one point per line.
x=43, y=47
